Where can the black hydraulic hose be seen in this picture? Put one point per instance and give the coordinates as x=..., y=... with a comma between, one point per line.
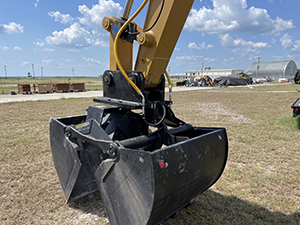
x=161, y=120
x=141, y=141
x=146, y=140
x=157, y=18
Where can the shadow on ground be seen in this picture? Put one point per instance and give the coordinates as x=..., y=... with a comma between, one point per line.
x=208, y=208
x=214, y=208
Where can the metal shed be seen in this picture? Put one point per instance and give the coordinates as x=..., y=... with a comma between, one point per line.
x=278, y=69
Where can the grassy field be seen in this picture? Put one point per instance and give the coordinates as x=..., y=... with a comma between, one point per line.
x=260, y=185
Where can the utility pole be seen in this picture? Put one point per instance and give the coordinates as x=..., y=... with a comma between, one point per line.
x=42, y=72
x=5, y=71
x=33, y=70
x=202, y=69
x=257, y=71
x=73, y=71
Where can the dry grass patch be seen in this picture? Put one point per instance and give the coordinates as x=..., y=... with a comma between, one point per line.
x=260, y=184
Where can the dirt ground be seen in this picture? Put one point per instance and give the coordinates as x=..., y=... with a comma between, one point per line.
x=90, y=94
x=260, y=184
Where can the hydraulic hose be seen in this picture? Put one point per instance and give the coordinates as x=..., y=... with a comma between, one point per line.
x=161, y=120
x=117, y=57
x=157, y=18
x=170, y=85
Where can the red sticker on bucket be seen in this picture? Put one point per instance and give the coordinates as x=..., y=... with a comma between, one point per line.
x=162, y=164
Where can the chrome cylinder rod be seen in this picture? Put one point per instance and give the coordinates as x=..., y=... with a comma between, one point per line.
x=127, y=9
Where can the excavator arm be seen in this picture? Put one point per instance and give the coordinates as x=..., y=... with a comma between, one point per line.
x=146, y=163
x=157, y=44
x=163, y=24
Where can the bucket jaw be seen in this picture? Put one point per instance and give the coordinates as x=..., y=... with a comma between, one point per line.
x=143, y=177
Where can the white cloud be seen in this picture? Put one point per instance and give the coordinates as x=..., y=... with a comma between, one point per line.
x=210, y=59
x=92, y=60
x=286, y=41
x=36, y=3
x=93, y=17
x=190, y=57
x=48, y=49
x=4, y=48
x=193, y=45
x=11, y=28
x=25, y=64
x=17, y=48
x=231, y=59
x=235, y=16
x=241, y=46
x=193, y=61
x=72, y=50
x=47, y=61
x=66, y=60
x=62, y=18
x=292, y=47
x=73, y=37
x=296, y=46
x=278, y=58
x=41, y=44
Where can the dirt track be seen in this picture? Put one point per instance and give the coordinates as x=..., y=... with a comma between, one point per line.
x=60, y=95
x=94, y=94
x=48, y=96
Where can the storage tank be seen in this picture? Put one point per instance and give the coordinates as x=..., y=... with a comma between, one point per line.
x=279, y=69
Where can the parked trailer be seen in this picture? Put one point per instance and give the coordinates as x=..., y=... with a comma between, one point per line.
x=38, y=88
x=24, y=88
x=77, y=86
x=61, y=87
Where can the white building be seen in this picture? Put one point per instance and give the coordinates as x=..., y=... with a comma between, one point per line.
x=215, y=73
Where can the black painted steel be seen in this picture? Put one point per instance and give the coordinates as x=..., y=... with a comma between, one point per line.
x=296, y=108
x=140, y=187
x=143, y=177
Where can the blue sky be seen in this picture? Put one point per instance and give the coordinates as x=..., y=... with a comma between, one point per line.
x=66, y=34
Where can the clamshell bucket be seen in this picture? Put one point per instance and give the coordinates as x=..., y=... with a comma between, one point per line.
x=143, y=179
x=296, y=107
x=146, y=187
